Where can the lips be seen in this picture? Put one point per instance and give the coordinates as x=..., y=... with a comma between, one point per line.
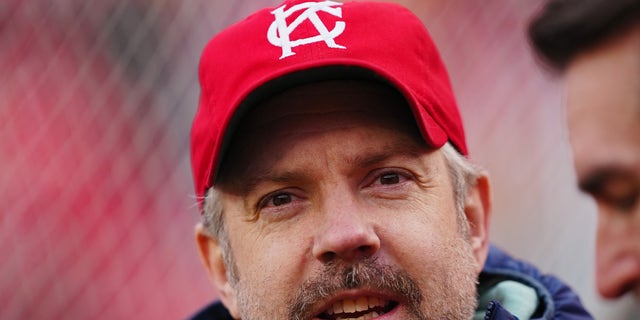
x=360, y=308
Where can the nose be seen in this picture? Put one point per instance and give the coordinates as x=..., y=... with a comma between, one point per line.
x=345, y=231
x=618, y=253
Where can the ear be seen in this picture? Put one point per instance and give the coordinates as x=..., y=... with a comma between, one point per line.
x=477, y=208
x=211, y=256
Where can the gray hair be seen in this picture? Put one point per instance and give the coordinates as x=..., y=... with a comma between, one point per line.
x=464, y=175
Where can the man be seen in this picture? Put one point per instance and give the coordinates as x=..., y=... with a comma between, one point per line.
x=596, y=44
x=329, y=156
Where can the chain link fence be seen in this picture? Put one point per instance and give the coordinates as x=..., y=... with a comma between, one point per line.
x=96, y=200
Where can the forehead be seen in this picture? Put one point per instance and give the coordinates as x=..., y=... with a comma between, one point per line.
x=603, y=100
x=294, y=122
x=320, y=100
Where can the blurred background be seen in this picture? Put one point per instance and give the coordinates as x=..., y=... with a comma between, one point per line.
x=96, y=199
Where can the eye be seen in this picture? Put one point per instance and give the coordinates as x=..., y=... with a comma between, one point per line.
x=616, y=191
x=388, y=184
x=276, y=199
x=621, y=201
x=281, y=199
x=389, y=178
x=628, y=203
x=279, y=205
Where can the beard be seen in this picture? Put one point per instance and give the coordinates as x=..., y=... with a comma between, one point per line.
x=366, y=274
x=446, y=289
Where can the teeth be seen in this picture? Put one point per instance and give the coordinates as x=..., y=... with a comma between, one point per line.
x=363, y=317
x=337, y=308
x=349, y=306
x=375, y=302
x=360, y=304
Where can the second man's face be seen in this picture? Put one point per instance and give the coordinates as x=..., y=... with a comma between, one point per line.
x=603, y=88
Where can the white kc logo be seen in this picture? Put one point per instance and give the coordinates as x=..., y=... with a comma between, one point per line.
x=279, y=32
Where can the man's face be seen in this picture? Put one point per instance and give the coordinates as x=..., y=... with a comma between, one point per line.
x=336, y=209
x=604, y=124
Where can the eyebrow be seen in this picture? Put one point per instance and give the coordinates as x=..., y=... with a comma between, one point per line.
x=600, y=176
x=368, y=159
x=403, y=149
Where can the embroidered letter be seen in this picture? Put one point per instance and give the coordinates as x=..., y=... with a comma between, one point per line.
x=279, y=32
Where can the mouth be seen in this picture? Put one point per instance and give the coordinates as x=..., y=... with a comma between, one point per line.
x=360, y=308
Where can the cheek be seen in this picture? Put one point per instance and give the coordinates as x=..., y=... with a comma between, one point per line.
x=432, y=254
x=435, y=215
x=258, y=248
x=270, y=260
x=420, y=233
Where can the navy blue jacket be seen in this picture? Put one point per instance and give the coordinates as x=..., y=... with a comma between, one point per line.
x=546, y=296
x=555, y=299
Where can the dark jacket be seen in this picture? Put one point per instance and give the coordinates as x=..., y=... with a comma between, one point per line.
x=504, y=284
x=555, y=300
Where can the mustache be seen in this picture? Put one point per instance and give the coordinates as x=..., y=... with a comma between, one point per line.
x=366, y=274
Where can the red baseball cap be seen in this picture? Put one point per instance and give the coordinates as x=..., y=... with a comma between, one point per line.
x=309, y=41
